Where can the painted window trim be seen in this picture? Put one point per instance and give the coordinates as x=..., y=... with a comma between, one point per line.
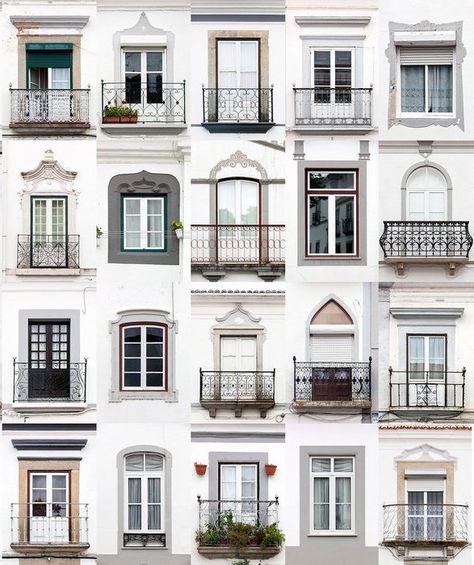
x=239, y=39
x=50, y=197
x=142, y=50
x=124, y=249
x=332, y=65
x=239, y=465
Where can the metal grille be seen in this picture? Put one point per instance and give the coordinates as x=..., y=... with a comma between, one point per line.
x=49, y=106
x=238, y=105
x=233, y=386
x=47, y=251
x=426, y=239
x=144, y=540
x=333, y=106
x=212, y=244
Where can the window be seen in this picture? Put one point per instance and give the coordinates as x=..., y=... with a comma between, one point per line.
x=425, y=510
x=144, y=497
x=238, y=202
x=426, y=358
x=48, y=511
x=143, y=74
x=331, y=211
x=426, y=195
x=143, y=359
x=332, y=492
x=426, y=76
x=237, y=63
x=144, y=221
x=238, y=353
x=332, y=72
x=239, y=483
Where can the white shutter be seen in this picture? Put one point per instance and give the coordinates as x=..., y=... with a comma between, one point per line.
x=332, y=347
x=425, y=484
x=426, y=55
x=238, y=354
x=227, y=62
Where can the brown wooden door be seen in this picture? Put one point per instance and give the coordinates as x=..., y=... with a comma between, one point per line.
x=332, y=383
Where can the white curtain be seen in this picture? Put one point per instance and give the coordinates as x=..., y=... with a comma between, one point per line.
x=226, y=199
x=321, y=503
x=440, y=88
x=154, y=504
x=60, y=78
x=248, y=202
x=343, y=503
x=134, y=504
x=248, y=64
x=227, y=60
x=413, y=88
x=416, y=357
x=437, y=357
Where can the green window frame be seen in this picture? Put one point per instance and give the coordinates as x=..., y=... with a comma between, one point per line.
x=141, y=212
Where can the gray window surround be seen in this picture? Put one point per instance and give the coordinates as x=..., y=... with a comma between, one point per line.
x=145, y=316
x=146, y=183
x=350, y=548
x=392, y=56
x=361, y=167
x=440, y=169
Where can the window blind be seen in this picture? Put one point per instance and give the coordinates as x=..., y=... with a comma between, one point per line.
x=426, y=55
x=332, y=347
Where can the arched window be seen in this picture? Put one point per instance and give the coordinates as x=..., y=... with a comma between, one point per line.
x=332, y=334
x=426, y=194
x=238, y=202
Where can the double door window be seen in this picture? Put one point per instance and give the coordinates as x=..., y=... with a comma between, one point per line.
x=239, y=490
x=426, y=370
x=426, y=195
x=239, y=361
x=425, y=515
x=48, y=239
x=49, y=511
x=144, y=73
x=332, y=71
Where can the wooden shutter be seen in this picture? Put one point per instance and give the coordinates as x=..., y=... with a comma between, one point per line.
x=426, y=55
x=326, y=347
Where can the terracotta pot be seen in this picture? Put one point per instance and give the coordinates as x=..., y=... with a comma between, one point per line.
x=270, y=470
x=119, y=119
x=200, y=469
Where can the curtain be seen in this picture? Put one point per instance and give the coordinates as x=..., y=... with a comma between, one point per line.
x=134, y=504
x=154, y=504
x=413, y=88
x=343, y=503
x=226, y=201
x=226, y=58
x=153, y=462
x=248, y=64
x=155, y=222
x=437, y=357
x=60, y=78
x=134, y=462
x=415, y=522
x=321, y=503
x=416, y=357
x=440, y=88
x=248, y=202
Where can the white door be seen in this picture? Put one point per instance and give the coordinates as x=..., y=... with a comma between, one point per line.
x=144, y=73
x=239, y=355
x=426, y=370
x=237, y=81
x=239, y=483
x=48, y=232
x=49, y=508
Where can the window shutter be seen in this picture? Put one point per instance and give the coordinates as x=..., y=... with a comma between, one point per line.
x=426, y=55
x=332, y=347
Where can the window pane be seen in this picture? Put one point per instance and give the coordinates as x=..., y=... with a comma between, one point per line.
x=58, y=481
x=322, y=58
x=132, y=350
x=154, y=379
x=134, y=462
x=321, y=503
x=153, y=462
x=440, y=88
x=154, y=350
x=132, y=379
x=318, y=224
x=413, y=88
x=154, y=493
x=331, y=180
x=134, y=490
x=343, y=58
x=321, y=465
x=249, y=202
x=249, y=472
x=154, y=61
x=343, y=506
x=132, y=62
x=226, y=199
x=39, y=481
x=437, y=357
x=132, y=334
x=155, y=240
x=155, y=206
x=154, y=365
x=343, y=465
x=132, y=206
x=416, y=362
x=344, y=225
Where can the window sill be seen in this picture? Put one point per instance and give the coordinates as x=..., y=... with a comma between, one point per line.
x=56, y=272
x=144, y=128
x=332, y=535
x=121, y=395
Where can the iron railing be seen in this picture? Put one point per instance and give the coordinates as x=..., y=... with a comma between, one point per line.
x=47, y=251
x=426, y=239
x=57, y=523
x=333, y=106
x=234, y=105
x=165, y=104
x=425, y=523
x=427, y=389
x=332, y=381
x=55, y=107
x=144, y=540
x=55, y=381
x=235, y=386
x=257, y=244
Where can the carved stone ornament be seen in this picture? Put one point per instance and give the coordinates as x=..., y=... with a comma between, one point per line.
x=238, y=318
x=238, y=158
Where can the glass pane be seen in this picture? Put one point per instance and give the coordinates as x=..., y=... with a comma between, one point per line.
x=133, y=62
x=39, y=481
x=154, y=379
x=320, y=465
x=248, y=202
x=343, y=465
x=321, y=503
x=332, y=180
x=134, y=490
x=343, y=58
x=322, y=58
x=343, y=490
x=134, y=517
x=132, y=379
x=134, y=462
x=226, y=202
x=154, y=365
x=132, y=350
x=437, y=357
x=154, y=61
x=344, y=224
x=153, y=462
x=413, y=88
x=154, y=492
x=416, y=361
x=132, y=334
x=59, y=481
x=249, y=472
x=154, y=334
x=155, y=206
x=154, y=518
x=132, y=206
x=440, y=88
x=154, y=350
x=318, y=224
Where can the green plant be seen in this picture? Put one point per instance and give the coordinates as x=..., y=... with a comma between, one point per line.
x=240, y=534
x=272, y=536
x=241, y=562
x=120, y=112
x=176, y=225
x=98, y=232
x=212, y=535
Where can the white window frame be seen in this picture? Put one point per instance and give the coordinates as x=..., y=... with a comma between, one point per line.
x=332, y=67
x=144, y=223
x=332, y=496
x=143, y=69
x=238, y=64
x=144, y=476
x=426, y=191
x=425, y=488
x=426, y=349
x=143, y=356
x=238, y=479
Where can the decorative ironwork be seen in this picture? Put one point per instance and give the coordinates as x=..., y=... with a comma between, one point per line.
x=164, y=105
x=42, y=523
x=53, y=107
x=59, y=382
x=235, y=386
x=332, y=381
x=48, y=251
x=144, y=540
x=425, y=523
x=426, y=239
x=221, y=244
x=333, y=106
x=237, y=105
x=427, y=389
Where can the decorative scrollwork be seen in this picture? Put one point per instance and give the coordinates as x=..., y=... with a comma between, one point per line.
x=48, y=251
x=144, y=540
x=234, y=105
x=235, y=386
x=49, y=106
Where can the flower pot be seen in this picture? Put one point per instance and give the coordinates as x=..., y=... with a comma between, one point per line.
x=179, y=233
x=270, y=470
x=200, y=469
x=119, y=119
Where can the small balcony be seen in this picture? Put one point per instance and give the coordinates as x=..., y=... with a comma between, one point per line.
x=430, y=242
x=49, y=382
x=335, y=385
x=318, y=110
x=61, y=528
x=217, y=248
x=238, y=529
x=49, y=108
x=412, y=528
x=236, y=390
x=427, y=391
x=47, y=252
x=136, y=107
x=237, y=110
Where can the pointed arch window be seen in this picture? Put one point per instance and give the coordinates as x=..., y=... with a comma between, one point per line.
x=332, y=334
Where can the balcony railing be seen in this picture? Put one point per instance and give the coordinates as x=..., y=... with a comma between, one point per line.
x=237, y=105
x=47, y=251
x=333, y=106
x=234, y=244
x=332, y=381
x=49, y=107
x=430, y=239
x=427, y=389
x=425, y=524
x=57, y=523
x=56, y=381
x=163, y=104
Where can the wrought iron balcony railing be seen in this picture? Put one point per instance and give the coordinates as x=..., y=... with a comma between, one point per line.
x=333, y=106
x=430, y=239
x=427, y=389
x=57, y=523
x=424, y=524
x=142, y=103
x=56, y=381
x=237, y=386
x=237, y=105
x=332, y=381
x=144, y=539
x=233, y=244
x=49, y=107
x=47, y=251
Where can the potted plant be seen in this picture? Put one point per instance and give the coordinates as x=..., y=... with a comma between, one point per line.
x=200, y=469
x=270, y=469
x=119, y=114
x=99, y=232
x=177, y=226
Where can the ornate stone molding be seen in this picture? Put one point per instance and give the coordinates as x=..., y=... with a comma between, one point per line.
x=238, y=317
x=144, y=183
x=238, y=159
x=425, y=453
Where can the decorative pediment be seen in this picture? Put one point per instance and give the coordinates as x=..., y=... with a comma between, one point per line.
x=238, y=318
x=425, y=454
x=143, y=27
x=239, y=159
x=143, y=314
x=143, y=181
